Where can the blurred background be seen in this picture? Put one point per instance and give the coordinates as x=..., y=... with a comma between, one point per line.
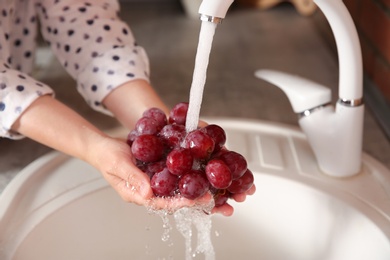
x=290, y=36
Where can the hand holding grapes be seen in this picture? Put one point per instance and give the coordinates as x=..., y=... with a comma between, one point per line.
x=192, y=164
x=128, y=103
x=75, y=136
x=113, y=158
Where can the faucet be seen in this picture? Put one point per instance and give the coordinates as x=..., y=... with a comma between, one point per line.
x=334, y=133
x=214, y=10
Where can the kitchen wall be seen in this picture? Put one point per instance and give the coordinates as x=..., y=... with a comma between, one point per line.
x=372, y=18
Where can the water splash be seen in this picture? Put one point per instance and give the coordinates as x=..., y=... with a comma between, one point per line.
x=167, y=227
x=187, y=220
x=189, y=217
x=206, y=36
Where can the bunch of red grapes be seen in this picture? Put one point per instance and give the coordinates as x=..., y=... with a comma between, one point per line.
x=189, y=164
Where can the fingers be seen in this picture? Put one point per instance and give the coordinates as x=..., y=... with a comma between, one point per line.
x=240, y=197
x=252, y=190
x=134, y=185
x=131, y=183
x=225, y=210
x=202, y=123
x=135, y=189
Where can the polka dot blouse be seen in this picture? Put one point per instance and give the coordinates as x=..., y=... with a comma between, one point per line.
x=94, y=46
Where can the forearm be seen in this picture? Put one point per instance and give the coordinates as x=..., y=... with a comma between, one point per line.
x=129, y=101
x=51, y=123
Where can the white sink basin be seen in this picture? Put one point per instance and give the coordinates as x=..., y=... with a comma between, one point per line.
x=61, y=208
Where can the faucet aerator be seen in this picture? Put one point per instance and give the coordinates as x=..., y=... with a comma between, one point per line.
x=214, y=10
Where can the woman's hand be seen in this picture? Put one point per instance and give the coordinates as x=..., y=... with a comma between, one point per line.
x=113, y=158
x=227, y=209
x=127, y=103
x=53, y=124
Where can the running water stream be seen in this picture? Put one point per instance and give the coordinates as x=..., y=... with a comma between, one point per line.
x=187, y=219
x=206, y=36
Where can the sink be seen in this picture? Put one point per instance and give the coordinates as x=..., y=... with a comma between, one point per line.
x=61, y=208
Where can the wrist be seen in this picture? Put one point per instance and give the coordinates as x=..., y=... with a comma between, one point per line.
x=53, y=124
x=95, y=148
x=128, y=101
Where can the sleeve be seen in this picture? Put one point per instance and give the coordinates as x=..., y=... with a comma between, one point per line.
x=17, y=92
x=96, y=48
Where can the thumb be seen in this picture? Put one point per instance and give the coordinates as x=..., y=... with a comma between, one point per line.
x=139, y=182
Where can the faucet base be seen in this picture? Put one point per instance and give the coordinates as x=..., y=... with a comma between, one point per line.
x=336, y=137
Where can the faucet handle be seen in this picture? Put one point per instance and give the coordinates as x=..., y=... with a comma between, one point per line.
x=302, y=93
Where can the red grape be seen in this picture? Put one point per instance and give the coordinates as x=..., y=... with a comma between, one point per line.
x=173, y=135
x=218, y=174
x=200, y=144
x=147, y=148
x=151, y=168
x=179, y=161
x=147, y=126
x=243, y=184
x=178, y=114
x=158, y=115
x=236, y=163
x=217, y=134
x=131, y=137
x=221, y=197
x=193, y=184
x=164, y=183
